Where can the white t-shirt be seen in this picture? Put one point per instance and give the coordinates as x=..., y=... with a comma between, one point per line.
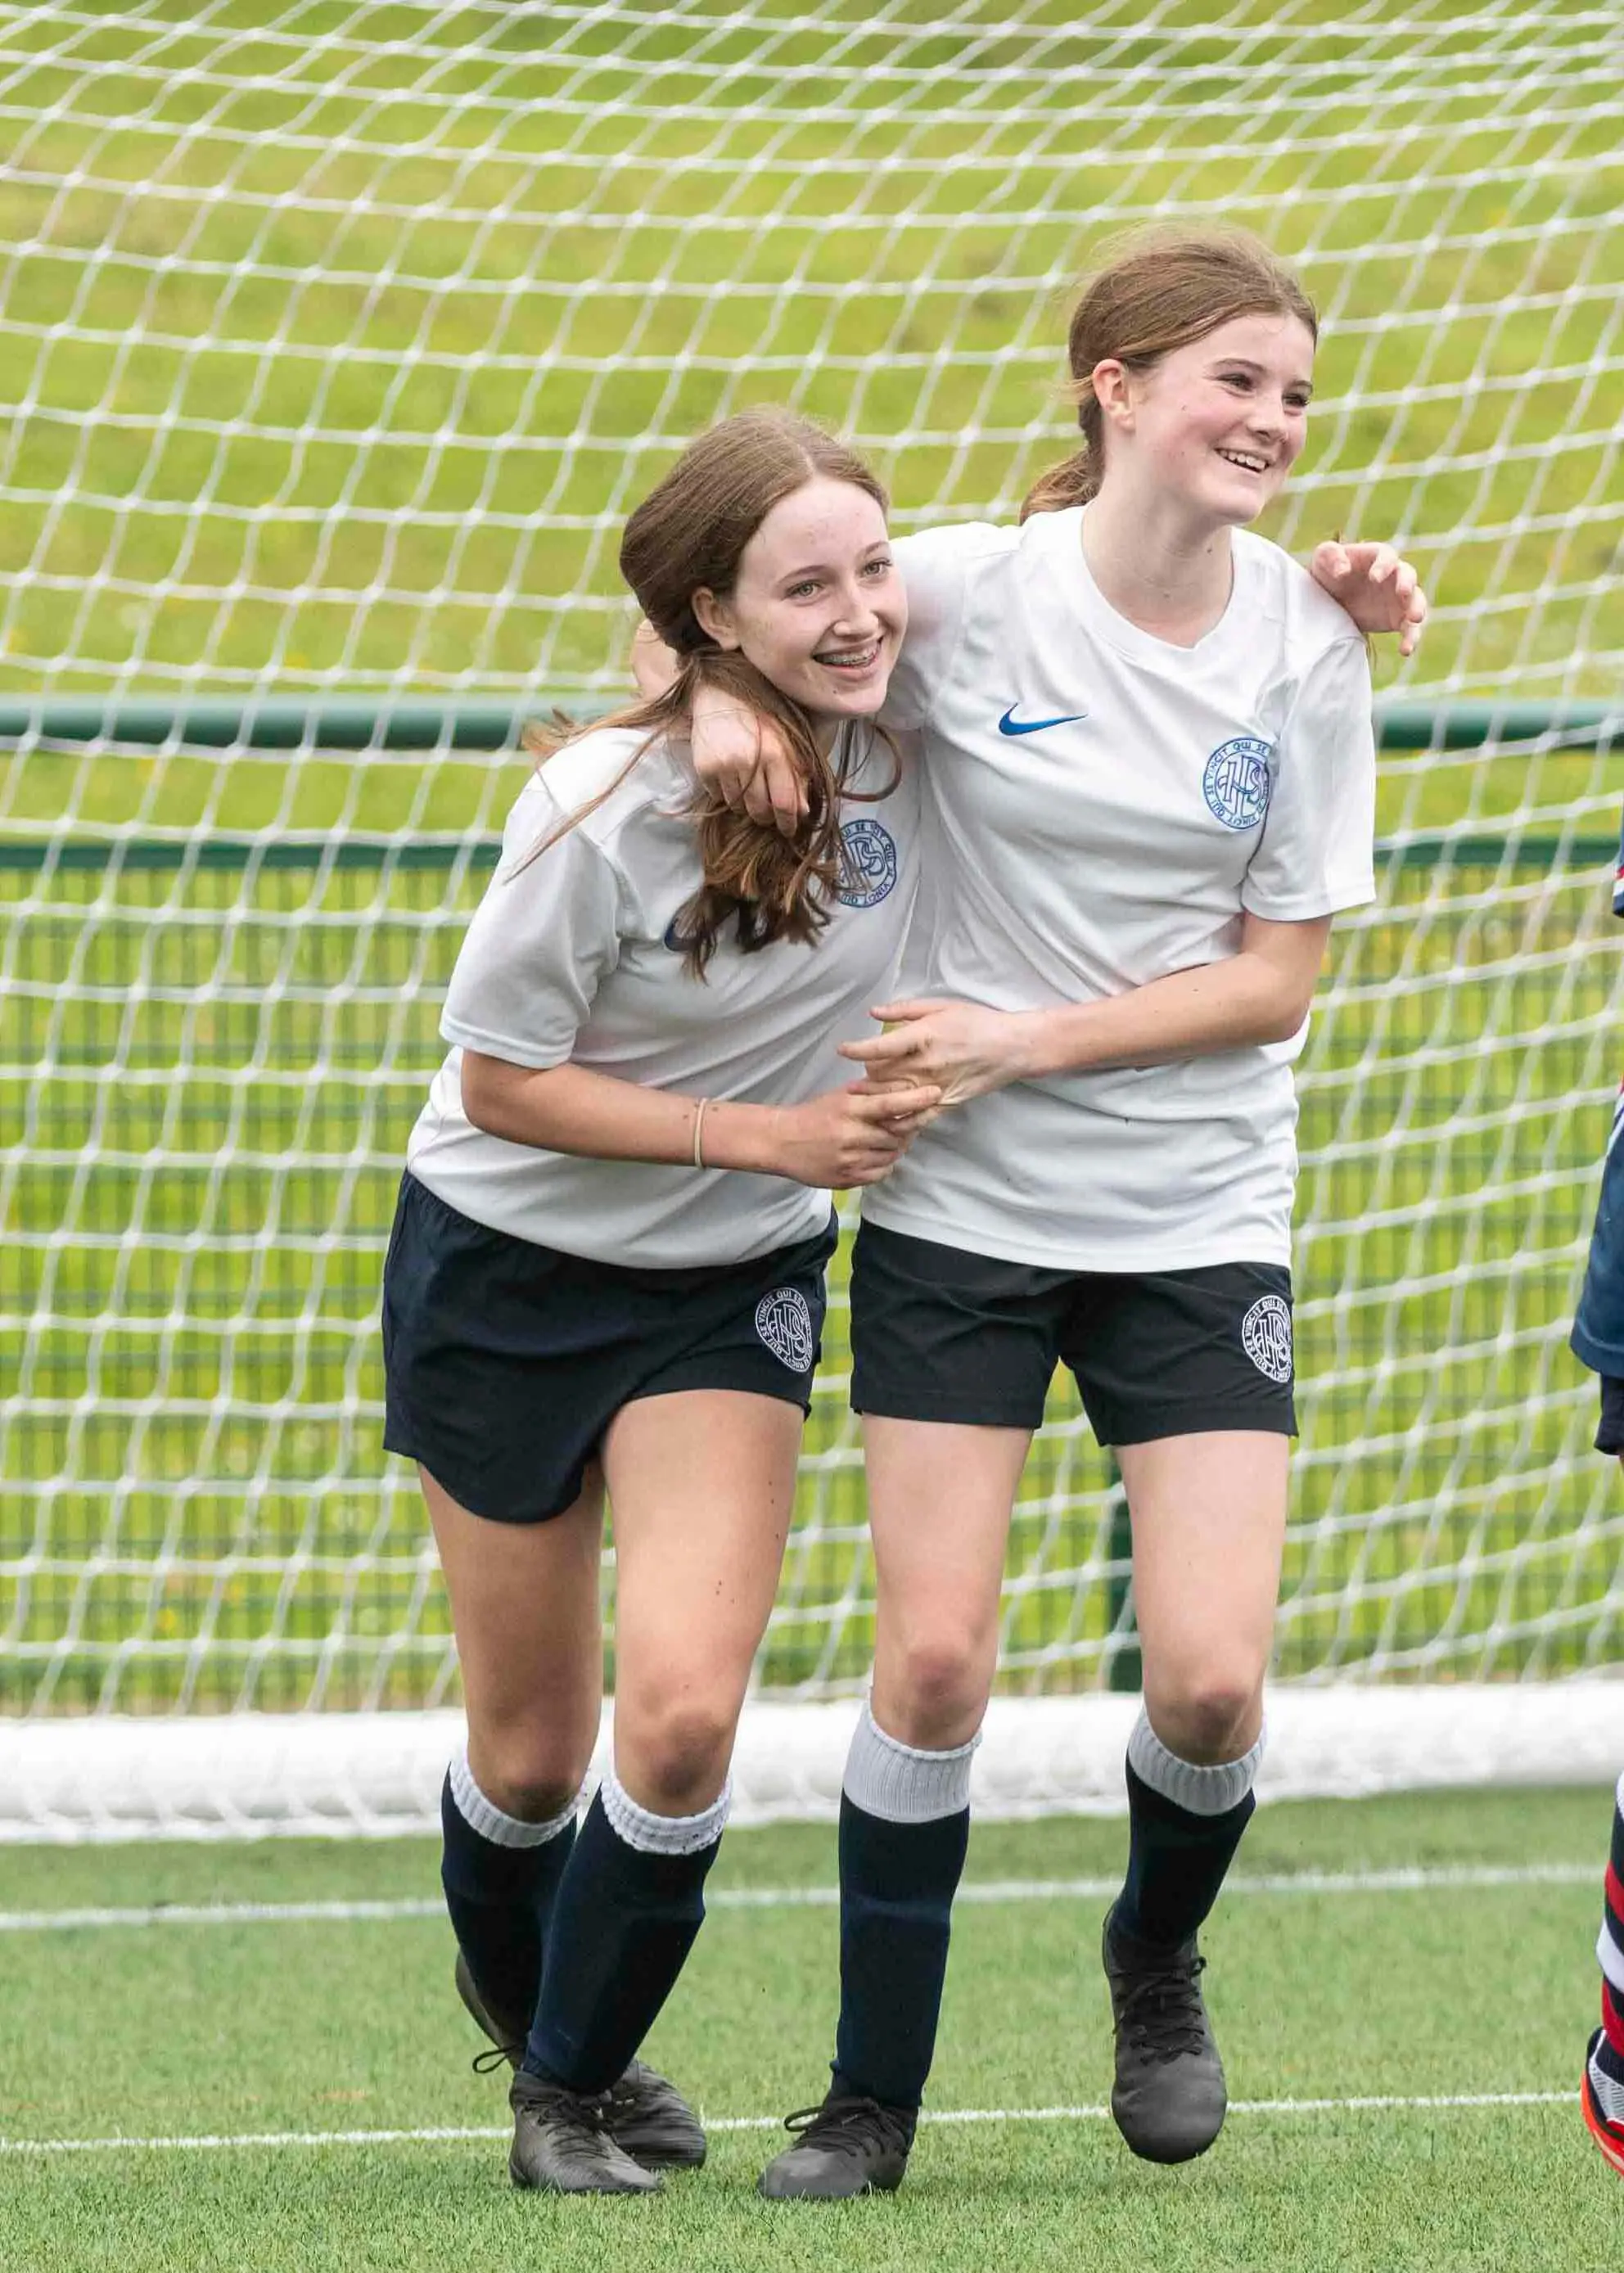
x=567, y=961
x=1099, y=807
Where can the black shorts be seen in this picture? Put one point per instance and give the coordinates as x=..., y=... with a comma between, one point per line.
x=938, y=1334
x=505, y=1361
x=1610, y=1427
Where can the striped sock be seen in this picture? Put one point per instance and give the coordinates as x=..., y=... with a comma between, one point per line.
x=1607, y=2061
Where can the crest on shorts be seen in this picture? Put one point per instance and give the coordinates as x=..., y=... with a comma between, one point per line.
x=1235, y=783
x=1266, y=1337
x=784, y=1321
x=867, y=863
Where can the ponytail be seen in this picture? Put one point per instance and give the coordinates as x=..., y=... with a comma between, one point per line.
x=1072, y=482
x=1160, y=292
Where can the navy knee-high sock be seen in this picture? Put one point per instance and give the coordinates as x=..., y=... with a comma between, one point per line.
x=1178, y=1853
x=905, y=1827
x=499, y=1893
x=631, y=1902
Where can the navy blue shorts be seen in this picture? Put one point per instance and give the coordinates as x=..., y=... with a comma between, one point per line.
x=939, y=1334
x=504, y=1363
x=1610, y=1427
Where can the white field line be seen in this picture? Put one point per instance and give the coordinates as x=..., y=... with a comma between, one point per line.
x=1397, y=1881
x=207, y=2142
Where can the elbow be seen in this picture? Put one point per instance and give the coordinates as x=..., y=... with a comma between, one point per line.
x=481, y=1093
x=1286, y=1021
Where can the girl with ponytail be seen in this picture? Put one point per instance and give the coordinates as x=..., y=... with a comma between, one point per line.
x=1148, y=761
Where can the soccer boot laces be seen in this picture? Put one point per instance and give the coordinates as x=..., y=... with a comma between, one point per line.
x=1602, y=2100
x=1168, y=2098
x=561, y=2143
x=848, y=2146
x=646, y=2117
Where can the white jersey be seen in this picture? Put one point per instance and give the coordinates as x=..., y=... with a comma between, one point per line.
x=571, y=960
x=1100, y=809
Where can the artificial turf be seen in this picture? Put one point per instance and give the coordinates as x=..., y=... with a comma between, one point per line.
x=178, y=2032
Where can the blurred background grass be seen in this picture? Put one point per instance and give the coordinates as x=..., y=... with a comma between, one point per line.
x=338, y=338
x=334, y=342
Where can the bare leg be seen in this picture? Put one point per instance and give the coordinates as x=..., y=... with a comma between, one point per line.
x=1209, y=1514
x=701, y=1483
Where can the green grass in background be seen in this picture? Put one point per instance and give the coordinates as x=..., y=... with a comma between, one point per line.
x=1334, y=1996
x=335, y=340
x=214, y=1069
x=338, y=339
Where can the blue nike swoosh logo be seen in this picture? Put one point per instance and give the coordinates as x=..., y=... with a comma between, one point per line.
x=1007, y=723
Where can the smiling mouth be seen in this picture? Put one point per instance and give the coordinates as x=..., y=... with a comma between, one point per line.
x=1247, y=460
x=852, y=659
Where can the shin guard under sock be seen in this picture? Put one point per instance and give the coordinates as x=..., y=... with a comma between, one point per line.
x=631, y=1902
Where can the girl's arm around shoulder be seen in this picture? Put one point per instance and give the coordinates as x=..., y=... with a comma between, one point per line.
x=739, y=756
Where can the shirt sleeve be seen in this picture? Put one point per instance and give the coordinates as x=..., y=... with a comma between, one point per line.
x=543, y=939
x=935, y=565
x=1316, y=854
x=1618, y=882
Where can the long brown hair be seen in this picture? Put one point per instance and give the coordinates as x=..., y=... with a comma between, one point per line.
x=1161, y=292
x=688, y=534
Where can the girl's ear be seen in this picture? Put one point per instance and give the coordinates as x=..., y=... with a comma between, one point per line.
x=1110, y=391
x=714, y=618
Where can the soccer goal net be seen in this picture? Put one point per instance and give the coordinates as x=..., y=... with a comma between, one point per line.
x=337, y=341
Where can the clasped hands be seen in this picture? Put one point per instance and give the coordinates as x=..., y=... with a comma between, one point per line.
x=962, y=1049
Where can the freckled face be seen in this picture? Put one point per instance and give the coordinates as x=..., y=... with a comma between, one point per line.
x=1220, y=423
x=818, y=606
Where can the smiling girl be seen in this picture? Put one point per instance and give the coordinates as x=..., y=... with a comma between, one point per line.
x=607, y=1268
x=1149, y=772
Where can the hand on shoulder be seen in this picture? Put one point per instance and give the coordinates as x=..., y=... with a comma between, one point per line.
x=1376, y=585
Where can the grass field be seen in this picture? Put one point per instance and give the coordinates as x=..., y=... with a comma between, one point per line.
x=261, y=2060
x=340, y=336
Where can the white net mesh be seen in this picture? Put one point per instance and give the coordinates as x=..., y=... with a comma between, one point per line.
x=337, y=341
x=340, y=338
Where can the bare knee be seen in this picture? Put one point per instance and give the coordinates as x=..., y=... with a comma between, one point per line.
x=672, y=1753
x=1212, y=1715
x=531, y=1775
x=931, y=1689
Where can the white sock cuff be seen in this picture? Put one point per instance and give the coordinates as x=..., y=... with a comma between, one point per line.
x=1203, y=1791
x=483, y=1816
x=901, y=1784
x=1609, y=1957
x=1618, y=1797
x=663, y=1834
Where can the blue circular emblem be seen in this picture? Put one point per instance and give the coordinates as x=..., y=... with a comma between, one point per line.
x=869, y=869
x=1236, y=782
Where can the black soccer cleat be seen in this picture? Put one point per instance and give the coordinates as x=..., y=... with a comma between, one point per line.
x=561, y=2143
x=650, y=2119
x=1168, y=2098
x=645, y=2115
x=848, y=2146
